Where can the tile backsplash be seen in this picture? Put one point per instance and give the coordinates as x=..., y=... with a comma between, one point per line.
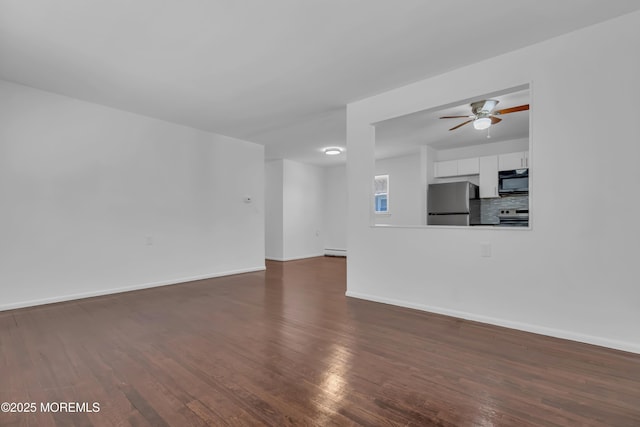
x=490, y=208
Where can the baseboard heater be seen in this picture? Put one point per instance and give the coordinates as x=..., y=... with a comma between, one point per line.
x=335, y=252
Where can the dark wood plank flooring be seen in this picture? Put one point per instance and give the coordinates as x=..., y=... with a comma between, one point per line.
x=286, y=347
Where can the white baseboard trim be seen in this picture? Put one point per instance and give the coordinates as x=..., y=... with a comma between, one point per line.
x=536, y=329
x=335, y=252
x=294, y=258
x=71, y=297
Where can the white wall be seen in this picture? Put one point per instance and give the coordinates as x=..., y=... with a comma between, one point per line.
x=97, y=200
x=303, y=207
x=406, y=205
x=335, y=210
x=274, y=231
x=574, y=273
x=295, y=228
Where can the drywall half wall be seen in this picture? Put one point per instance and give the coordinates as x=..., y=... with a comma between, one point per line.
x=97, y=200
x=301, y=194
x=335, y=210
x=573, y=274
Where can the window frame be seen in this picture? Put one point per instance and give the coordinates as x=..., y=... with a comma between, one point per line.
x=376, y=194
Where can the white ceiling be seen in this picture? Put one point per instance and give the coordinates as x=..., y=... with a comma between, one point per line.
x=275, y=72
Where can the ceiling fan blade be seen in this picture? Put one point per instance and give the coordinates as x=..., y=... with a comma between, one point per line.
x=513, y=109
x=495, y=120
x=455, y=117
x=461, y=124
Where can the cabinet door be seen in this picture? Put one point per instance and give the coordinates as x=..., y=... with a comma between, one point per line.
x=447, y=168
x=488, y=177
x=468, y=166
x=512, y=161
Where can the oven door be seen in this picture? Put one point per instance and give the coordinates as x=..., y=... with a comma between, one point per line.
x=514, y=223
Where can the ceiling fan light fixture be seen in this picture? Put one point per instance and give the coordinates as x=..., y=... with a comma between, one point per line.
x=482, y=123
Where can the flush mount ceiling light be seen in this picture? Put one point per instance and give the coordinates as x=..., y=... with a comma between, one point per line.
x=482, y=123
x=332, y=151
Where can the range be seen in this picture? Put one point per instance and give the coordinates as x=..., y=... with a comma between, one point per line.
x=514, y=217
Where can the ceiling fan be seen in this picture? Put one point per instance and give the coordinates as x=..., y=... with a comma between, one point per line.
x=483, y=115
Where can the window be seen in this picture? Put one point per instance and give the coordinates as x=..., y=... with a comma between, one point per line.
x=381, y=193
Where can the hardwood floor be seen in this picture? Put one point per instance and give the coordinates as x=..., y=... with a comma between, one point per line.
x=286, y=347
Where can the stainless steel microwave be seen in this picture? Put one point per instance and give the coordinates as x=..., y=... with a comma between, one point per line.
x=513, y=182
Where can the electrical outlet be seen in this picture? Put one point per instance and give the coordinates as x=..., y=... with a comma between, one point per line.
x=149, y=240
x=485, y=250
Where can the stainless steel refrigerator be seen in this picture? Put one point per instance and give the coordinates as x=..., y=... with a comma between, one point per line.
x=452, y=204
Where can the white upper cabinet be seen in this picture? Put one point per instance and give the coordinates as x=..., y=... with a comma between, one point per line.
x=487, y=167
x=447, y=168
x=488, y=177
x=469, y=166
x=456, y=167
x=512, y=161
